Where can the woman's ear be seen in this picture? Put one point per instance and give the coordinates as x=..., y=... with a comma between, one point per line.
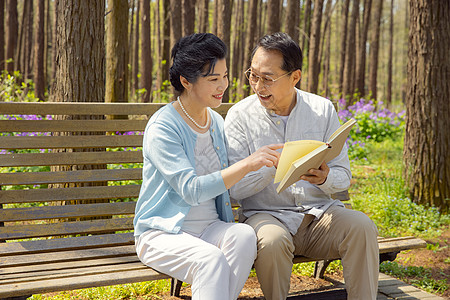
x=186, y=84
x=296, y=76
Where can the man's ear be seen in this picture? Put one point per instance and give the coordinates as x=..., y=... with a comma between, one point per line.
x=186, y=84
x=296, y=76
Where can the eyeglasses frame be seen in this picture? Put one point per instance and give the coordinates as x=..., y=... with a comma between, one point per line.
x=263, y=79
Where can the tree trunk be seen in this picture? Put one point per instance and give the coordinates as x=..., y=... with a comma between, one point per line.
x=175, y=24
x=2, y=35
x=314, y=45
x=80, y=57
x=344, y=25
x=325, y=47
x=39, y=45
x=27, y=40
x=224, y=30
x=350, y=58
x=146, y=51
x=203, y=15
x=249, y=41
x=12, y=33
x=165, y=49
x=306, y=28
x=117, y=52
x=391, y=42
x=47, y=44
x=136, y=50
x=361, y=58
x=273, y=16
x=427, y=138
x=374, y=47
x=188, y=16
x=236, y=65
x=292, y=19
x=214, y=19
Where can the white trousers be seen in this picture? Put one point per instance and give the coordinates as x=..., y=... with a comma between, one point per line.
x=217, y=263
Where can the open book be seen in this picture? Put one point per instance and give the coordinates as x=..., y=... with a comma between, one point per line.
x=299, y=156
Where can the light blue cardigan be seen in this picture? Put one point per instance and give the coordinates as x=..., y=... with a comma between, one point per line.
x=170, y=185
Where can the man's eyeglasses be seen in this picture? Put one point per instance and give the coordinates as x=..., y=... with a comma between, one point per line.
x=267, y=81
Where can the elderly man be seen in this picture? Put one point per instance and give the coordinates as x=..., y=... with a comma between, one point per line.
x=303, y=219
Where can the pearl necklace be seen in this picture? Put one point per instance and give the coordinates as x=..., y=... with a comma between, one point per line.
x=192, y=119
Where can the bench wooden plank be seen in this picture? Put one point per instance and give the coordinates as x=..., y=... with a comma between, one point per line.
x=69, y=194
x=74, y=141
x=27, y=178
x=66, y=228
x=78, y=282
x=67, y=211
x=67, y=243
x=399, y=244
x=70, y=158
x=65, y=256
x=71, y=125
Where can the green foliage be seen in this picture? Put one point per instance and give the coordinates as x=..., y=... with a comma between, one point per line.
x=164, y=94
x=418, y=276
x=14, y=89
x=235, y=90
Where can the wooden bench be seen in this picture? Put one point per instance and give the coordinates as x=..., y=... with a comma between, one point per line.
x=69, y=181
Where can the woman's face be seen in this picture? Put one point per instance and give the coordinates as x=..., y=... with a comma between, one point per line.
x=209, y=90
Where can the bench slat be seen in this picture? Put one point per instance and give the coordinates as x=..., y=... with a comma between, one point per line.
x=75, y=141
x=67, y=211
x=78, y=282
x=66, y=228
x=71, y=125
x=69, y=194
x=401, y=243
x=25, y=178
x=68, y=243
x=70, y=158
x=63, y=256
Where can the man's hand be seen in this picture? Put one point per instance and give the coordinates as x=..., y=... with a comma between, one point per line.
x=317, y=176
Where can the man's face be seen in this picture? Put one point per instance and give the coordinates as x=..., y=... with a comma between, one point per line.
x=278, y=95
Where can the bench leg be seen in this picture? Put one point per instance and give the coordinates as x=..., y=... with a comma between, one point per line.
x=17, y=298
x=320, y=267
x=390, y=256
x=175, y=287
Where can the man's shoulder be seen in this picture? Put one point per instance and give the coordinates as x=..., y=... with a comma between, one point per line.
x=246, y=103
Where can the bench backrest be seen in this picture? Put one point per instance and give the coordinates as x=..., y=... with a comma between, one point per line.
x=70, y=162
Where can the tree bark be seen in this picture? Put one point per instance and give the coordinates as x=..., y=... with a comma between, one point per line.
x=224, y=30
x=361, y=57
x=249, y=41
x=175, y=24
x=12, y=33
x=25, y=60
x=314, y=45
x=427, y=138
x=350, y=58
x=345, y=10
x=2, y=35
x=292, y=19
x=374, y=49
x=326, y=57
x=188, y=16
x=39, y=45
x=273, y=16
x=146, y=51
x=391, y=42
x=203, y=15
x=136, y=50
x=236, y=64
x=117, y=52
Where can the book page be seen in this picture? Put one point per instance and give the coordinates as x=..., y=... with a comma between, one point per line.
x=292, y=151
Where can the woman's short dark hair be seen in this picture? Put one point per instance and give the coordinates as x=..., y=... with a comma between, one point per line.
x=280, y=41
x=192, y=54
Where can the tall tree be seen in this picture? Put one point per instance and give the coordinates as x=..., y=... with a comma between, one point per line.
x=361, y=57
x=348, y=83
x=236, y=64
x=292, y=18
x=146, y=51
x=136, y=50
x=249, y=40
x=345, y=10
x=39, y=45
x=391, y=42
x=305, y=30
x=203, y=15
x=374, y=49
x=314, y=45
x=326, y=47
x=273, y=16
x=427, y=138
x=224, y=30
x=2, y=35
x=80, y=57
x=175, y=24
x=12, y=33
x=23, y=61
x=188, y=16
x=117, y=52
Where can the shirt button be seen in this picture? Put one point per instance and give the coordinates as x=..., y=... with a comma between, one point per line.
x=227, y=203
x=294, y=184
x=278, y=122
x=224, y=165
x=212, y=130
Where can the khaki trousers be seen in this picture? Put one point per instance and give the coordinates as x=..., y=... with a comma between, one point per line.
x=340, y=232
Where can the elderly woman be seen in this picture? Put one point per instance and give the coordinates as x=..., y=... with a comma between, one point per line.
x=184, y=223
